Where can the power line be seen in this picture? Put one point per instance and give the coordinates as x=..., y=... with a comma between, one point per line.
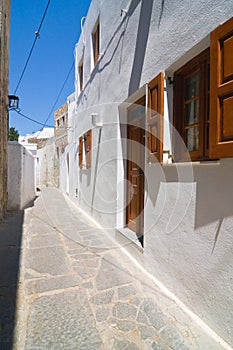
x=37, y=33
x=32, y=120
x=59, y=94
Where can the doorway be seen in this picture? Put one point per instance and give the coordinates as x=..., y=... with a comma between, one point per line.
x=135, y=168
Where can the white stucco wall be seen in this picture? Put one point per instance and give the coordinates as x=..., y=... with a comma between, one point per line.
x=21, y=176
x=187, y=237
x=46, y=164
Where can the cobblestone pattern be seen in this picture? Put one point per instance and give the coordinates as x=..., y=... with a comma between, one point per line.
x=4, y=51
x=78, y=292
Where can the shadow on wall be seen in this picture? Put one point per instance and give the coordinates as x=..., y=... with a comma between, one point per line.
x=10, y=246
x=211, y=189
x=214, y=198
x=85, y=177
x=140, y=49
x=98, y=68
x=214, y=191
x=161, y=12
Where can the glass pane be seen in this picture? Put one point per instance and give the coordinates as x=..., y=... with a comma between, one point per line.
x=192, y=112
x=192, y=86
x=137, y=112
x=192, y=138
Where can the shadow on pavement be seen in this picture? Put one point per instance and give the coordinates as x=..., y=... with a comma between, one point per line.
x=10, y=246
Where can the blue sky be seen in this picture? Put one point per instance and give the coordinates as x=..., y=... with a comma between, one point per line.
x=51, y=59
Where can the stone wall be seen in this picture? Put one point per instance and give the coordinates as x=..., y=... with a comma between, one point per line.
x=61, y=140
x=4, y=50
x=46, y=165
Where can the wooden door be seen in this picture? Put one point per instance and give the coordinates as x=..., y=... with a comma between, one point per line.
x=135, y=173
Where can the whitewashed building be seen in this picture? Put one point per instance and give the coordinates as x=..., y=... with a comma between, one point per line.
x=21, y=186
x=151, y=142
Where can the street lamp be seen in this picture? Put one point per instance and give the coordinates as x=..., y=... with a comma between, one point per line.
x=13, y=102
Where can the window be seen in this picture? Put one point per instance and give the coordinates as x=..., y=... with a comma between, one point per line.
x=155, y=118
x=85, y=147
x=96, y=43
x=221, y=91
x=203, y=100
x=80, y=73
x=81, y=152
x=191, y=107
x=88, y=144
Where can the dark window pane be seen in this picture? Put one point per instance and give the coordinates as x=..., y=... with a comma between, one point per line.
x=192, y=86
x=192, y=112
x=192, y=138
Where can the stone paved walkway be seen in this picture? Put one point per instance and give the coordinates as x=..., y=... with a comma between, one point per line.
x=78, y=290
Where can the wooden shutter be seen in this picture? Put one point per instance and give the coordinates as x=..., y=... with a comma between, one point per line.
x=155, y=118
x=88, y=148
x=80, y=152
x=80, y=68
x=96, y=44
x=221, y=91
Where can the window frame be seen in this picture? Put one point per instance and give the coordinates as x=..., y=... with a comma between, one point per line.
x=155, y=116
x=96, y=42
x=201, y=64
x=85, y=145
x=80, y=75
x=221, y=91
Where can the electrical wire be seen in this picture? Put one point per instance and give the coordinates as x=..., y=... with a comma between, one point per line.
x=37, y=35
x=59, y=94
x=57, y=98
x=31, y=119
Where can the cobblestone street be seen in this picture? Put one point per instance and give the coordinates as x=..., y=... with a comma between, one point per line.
x=77, y=289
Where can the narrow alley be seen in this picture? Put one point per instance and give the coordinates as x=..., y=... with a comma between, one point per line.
x=68, y=286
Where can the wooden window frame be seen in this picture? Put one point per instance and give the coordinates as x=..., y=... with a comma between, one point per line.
x=85, y=144
x=156, y=118
x=80, y=74
x=81, y=152
x=221, y=91
x=88, y=147
x=201, y=64
x=96, y=42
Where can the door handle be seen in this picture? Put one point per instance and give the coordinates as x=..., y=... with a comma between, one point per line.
x=141, y=172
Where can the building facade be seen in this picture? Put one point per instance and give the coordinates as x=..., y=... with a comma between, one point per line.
x=4, y=54
x=150, y=142
x=21, y=176
x=61, y=138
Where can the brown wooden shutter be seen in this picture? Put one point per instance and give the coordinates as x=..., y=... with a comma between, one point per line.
x=155, y=118
x=96, y=44
x=88, y=148
x=80, y=68
x=221, y=91
x=80, y=152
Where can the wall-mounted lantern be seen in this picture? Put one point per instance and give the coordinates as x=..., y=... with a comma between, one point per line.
x=13, y=102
